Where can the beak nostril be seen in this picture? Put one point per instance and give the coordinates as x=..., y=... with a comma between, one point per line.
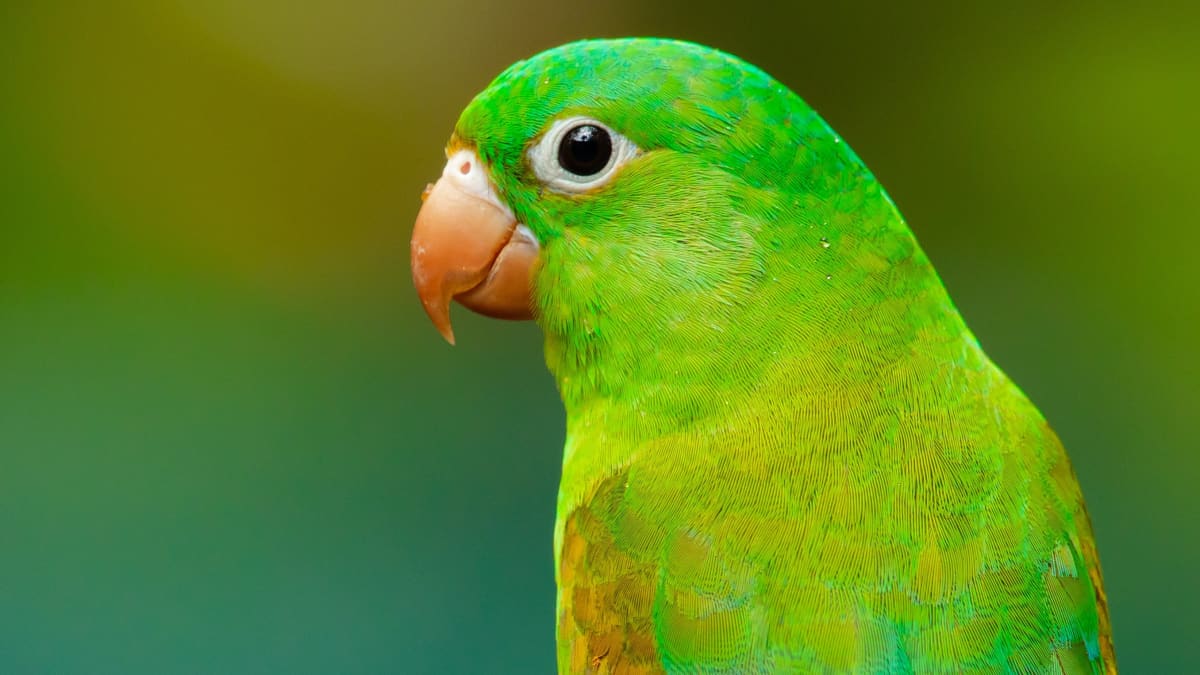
x=465, y=168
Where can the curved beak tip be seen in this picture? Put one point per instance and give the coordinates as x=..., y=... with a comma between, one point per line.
x=432, y=291
x=440, y=316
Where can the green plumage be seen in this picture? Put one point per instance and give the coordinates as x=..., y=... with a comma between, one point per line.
x=785, y=451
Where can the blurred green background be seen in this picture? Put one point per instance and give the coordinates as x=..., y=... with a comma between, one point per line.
x=230, y=442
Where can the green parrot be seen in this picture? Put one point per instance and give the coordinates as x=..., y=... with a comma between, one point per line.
x=785, y=450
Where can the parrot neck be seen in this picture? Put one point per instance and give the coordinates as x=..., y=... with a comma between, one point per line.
x=838, y=313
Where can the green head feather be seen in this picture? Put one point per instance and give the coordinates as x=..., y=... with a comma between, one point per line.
x=744, y=223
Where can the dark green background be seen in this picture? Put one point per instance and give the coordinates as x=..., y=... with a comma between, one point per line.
x=231, y=443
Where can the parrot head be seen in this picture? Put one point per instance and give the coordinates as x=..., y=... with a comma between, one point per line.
x=648, y=202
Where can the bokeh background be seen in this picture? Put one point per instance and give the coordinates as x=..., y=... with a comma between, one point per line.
x=231, y=443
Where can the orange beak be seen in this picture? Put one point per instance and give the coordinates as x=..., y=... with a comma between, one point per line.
x=468, y=246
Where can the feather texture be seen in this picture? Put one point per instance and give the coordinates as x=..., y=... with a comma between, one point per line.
x=785, y=450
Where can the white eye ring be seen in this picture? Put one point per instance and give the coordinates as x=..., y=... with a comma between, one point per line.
x=544, y=157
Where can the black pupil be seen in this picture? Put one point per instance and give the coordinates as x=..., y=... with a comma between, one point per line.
x=585, y=150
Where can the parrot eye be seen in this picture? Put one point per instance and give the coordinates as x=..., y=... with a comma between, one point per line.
x=579, y=154
x=585, y=150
